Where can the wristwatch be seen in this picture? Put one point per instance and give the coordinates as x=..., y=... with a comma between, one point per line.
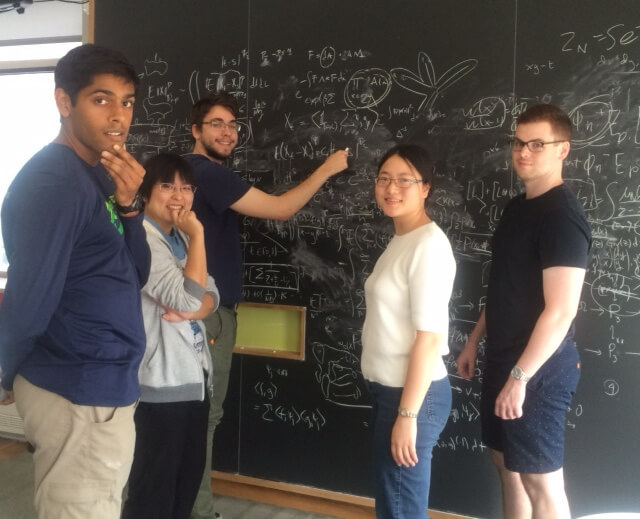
x=518, y=373
x=136, y=205
x=402, y=411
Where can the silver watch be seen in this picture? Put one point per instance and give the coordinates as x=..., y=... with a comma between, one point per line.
x=136, y=205
x=402, y=411
x=518, y=373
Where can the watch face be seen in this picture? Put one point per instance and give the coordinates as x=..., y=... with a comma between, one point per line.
x=136, y=205
x=518, y=374
x=137, y=202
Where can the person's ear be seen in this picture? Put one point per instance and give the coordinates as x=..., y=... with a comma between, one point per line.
x=63, y=102
x=564, y=149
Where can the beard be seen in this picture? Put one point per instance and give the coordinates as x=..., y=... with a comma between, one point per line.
x=215, y=155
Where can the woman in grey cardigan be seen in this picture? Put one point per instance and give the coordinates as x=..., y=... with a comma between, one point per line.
x=171, y=418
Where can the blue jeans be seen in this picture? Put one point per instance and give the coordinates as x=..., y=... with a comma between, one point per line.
x=403, y=492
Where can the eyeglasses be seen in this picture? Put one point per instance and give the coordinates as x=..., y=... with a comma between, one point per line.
x=534, y=146
x=402, y=182
x=185, y=189
x=219, y=124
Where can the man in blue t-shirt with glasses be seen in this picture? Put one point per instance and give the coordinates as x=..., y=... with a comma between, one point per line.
x=223, y=196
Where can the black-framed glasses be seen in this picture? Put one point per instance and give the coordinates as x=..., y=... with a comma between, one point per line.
x=219, y=124
x=185, y=189
x=402, y=182
x=534, y=145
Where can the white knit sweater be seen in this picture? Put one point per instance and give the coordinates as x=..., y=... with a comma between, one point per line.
x=408, y=290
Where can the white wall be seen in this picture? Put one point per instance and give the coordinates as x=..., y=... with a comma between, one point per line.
x=42, y=20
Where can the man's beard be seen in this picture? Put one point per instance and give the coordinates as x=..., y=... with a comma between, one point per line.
x=214, y=155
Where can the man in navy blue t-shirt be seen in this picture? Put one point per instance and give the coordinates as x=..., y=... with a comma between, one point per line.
x=221, y=197
x=71, y=330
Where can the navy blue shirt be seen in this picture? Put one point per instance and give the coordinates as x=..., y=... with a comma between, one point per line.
x=70, y=319
x=218, y=189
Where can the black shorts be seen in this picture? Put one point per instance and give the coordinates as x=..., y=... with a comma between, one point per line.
x=533, y=443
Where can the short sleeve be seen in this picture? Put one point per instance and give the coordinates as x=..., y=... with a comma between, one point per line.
x=432, y=273
x=218, y=186
x=565, y=240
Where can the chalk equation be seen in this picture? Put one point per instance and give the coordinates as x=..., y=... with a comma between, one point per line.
x=299, y=105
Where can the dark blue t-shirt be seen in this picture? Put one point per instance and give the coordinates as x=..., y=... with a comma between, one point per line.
x=533, y=234
x=218, y=189
x=71, y=319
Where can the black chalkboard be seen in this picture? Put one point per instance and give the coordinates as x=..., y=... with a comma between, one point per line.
x=314, y=76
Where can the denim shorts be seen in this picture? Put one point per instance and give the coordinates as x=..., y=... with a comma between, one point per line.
x=533, y=443
x=403, y=492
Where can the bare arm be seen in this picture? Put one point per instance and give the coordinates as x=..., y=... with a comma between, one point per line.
x=562, y=287
x=467, y=358
x=424, y=354
x=196, y=265
x=281, y=207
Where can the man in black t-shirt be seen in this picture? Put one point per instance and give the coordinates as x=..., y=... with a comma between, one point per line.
x=539, y=259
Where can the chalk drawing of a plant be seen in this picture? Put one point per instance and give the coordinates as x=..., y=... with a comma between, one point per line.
x=425, y=82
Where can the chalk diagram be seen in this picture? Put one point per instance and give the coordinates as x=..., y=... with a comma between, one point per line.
x=424, y=82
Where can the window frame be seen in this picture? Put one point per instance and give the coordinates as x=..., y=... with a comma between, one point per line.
x=40, y=65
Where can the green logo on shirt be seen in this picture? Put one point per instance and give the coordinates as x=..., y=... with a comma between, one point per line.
x=115, y=220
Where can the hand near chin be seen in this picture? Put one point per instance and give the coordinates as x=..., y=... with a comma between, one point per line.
x=126, y=172
x=187, y=221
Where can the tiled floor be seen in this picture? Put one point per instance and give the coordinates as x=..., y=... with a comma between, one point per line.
x=16, y=492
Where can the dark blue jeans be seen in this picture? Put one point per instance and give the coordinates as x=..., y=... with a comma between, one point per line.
x=403, y=492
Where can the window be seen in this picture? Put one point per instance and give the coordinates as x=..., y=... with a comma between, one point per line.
x=30, y=119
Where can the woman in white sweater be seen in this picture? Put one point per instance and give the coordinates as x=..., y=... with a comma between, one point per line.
x=405, y=336
x=171, y=418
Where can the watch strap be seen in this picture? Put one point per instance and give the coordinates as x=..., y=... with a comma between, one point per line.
x=136, y=205
x=403, y=411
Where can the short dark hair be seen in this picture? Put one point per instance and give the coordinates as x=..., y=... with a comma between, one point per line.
x=77, y=68
x=202, y=107
x=163, y=168
x=415, y=155
x=555, y=116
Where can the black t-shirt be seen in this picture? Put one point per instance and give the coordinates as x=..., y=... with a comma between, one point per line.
x=533, y=234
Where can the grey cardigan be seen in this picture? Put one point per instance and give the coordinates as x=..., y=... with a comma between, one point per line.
x=171, y=369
